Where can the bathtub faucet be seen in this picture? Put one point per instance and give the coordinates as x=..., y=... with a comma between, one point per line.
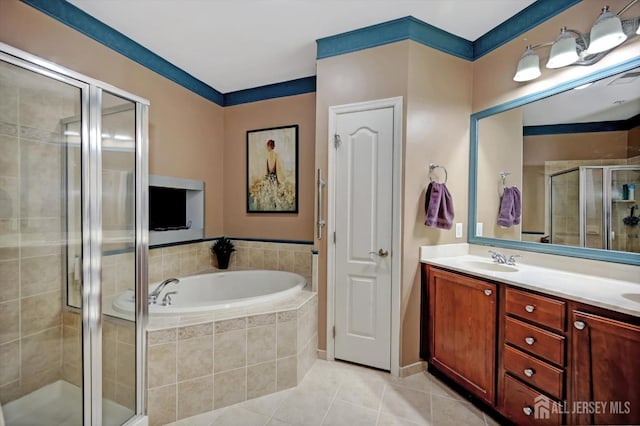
x=153, y=296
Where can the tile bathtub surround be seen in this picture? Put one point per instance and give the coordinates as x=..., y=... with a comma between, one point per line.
x=335, y=393
x=186, y=259
x=201, y=363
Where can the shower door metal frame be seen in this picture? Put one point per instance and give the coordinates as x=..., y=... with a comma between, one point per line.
x=91, y=102
x=607, y=228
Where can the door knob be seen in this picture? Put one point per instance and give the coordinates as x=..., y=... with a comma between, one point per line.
x=381, y=253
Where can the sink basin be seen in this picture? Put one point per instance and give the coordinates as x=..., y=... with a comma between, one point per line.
x=490, y=266
x=634, y=297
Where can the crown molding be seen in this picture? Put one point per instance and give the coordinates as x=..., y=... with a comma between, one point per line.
x=407, y=28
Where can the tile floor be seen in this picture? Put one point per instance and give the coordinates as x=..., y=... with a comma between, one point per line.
x=335, y=393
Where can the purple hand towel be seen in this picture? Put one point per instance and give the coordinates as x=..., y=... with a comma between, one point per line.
x=510, y=207
x=517, y=205
x=438, y=206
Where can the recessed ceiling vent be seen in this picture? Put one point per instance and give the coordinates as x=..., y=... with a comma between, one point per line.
x=627, y=78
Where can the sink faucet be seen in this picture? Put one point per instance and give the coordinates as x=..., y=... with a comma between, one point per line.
x=512, y=259
x=502, y=259
x=153, y=296
x=498, y=257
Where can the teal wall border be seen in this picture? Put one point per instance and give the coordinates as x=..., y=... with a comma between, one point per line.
x=594, y=254
x=407, y=28
x=591, y=127
x=287, y=88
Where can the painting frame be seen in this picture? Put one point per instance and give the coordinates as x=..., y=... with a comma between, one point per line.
x=272, y=170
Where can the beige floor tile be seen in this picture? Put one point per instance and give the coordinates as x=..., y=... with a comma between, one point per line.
x=303, y=407
x=447, y=411
x=407, y=403
x=204, y=419
x=267, y=404
x=419, y=381
x=238, y=416
x=344, y=414
x=276, y=422
x=362, y=390
x=387, y=419
x=439, y=388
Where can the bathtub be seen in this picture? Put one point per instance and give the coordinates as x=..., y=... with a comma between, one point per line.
x=217, y=290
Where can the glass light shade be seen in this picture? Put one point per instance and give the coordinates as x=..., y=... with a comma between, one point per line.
x=564, y=51
x=606, y=32
x=528, y=66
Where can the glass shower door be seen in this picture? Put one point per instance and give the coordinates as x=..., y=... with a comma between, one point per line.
x=72, y=236
x=40, y=340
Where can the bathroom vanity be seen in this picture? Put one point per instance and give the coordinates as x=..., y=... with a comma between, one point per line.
x=537, y=345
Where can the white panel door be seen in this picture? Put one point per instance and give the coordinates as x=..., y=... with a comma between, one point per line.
x=363, y=225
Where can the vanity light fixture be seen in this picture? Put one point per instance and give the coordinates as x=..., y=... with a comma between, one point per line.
x=573, y=47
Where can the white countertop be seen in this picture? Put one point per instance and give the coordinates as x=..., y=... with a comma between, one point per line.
x=614, y=294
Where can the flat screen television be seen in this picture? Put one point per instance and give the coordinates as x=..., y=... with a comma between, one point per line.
x=167, y=209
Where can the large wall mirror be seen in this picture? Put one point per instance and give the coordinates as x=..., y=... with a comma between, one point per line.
x=570, y=157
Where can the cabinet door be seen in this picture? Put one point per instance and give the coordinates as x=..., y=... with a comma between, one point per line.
x=463, y=331
x=605, y=370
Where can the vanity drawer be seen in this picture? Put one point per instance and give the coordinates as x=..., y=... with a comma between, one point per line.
x=533, y=371
x=543, y=343
x=526, y=406
x=535, y=308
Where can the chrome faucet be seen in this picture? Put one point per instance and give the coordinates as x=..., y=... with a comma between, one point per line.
x=498, y=257
x=502, y=259
x=166, y=300
x=153, y=296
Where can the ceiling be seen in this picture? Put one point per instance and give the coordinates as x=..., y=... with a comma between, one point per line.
x=239, y=44
x=610, y=99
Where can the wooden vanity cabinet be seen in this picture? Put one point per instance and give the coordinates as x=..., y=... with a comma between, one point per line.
x=462, y=330
x=520, y=351
x=605, y=368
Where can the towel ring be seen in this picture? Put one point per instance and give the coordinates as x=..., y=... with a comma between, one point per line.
x=436, y=166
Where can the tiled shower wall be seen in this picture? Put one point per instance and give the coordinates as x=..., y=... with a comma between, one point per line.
x=31, y=212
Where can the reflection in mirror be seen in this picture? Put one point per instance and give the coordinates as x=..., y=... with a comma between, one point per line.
x=575, y=159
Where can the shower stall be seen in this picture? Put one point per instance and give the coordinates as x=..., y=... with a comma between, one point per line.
x=73, y=184
x=593, y=206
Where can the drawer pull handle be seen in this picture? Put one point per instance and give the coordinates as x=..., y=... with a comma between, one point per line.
x=580, y=325
x=529, y=308
x=529, y=372
x=528, y=411
x=488, y=292
x=529, y=340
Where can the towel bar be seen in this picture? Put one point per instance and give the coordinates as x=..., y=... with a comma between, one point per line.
x=437, y=166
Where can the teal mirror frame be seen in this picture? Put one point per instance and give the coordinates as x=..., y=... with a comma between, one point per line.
x=582, y=252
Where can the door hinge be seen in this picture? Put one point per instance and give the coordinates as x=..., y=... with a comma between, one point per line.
x=336, y=140
x=334, y=237
x=334, y=331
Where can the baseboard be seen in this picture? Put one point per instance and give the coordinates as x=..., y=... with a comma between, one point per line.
x=322, y=354
x=414, y=368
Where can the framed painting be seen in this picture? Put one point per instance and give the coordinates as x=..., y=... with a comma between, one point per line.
x=272, y=170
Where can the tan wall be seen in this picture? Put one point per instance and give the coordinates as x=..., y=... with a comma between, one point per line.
x=633, y=142
x=238, y=119
x=533, y=201
x=435, y=115
x=365, y=75
x=437, y=131
x=185, y=130
x=575, y=146
x=499, y=150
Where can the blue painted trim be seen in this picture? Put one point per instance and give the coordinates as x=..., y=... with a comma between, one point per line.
x=593, y=127
x=407, y=28
x=528, y=18
x=270, y=91
x=79, y=20
x=587, y=253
